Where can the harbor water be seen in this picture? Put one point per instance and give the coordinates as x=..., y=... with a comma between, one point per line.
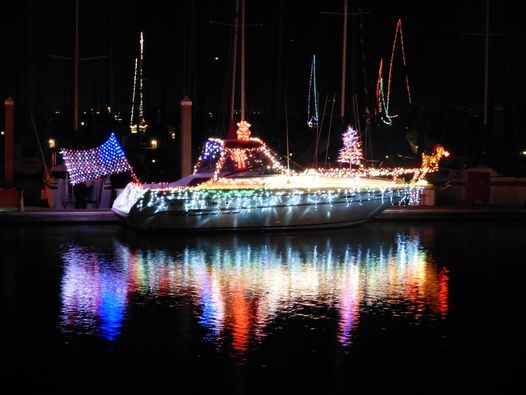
x=413, y=306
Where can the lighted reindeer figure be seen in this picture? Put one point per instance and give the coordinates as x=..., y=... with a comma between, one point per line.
x=430, y=162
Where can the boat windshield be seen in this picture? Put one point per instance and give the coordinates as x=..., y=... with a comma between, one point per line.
x=239, y=156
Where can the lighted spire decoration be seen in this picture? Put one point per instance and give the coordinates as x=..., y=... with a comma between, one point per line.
x=351, y=152
x=312, y=114
x=133, y=128
x=382, y=99
x=398, y=32
x=139, y=125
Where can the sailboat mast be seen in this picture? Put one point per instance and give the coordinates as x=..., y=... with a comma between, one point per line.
x=242, y=60
x=287, y=134
x=140, y=125
x=234, y=61
x=486, y=65
x=76, y=71
x=141, y=112
x=344, y=56
x=133, y=98
x=312, y=116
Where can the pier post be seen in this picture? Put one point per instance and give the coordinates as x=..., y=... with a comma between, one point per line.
x=186, y=137
x=9, y=141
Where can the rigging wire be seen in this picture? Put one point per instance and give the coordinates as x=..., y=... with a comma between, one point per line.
x=383, y=99
x=312, y=114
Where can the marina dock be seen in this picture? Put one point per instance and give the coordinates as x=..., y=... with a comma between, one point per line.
x=43, y=215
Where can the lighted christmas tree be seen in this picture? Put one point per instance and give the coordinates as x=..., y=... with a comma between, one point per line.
x=351, y=152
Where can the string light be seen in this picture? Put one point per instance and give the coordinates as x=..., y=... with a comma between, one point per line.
x=243, y=131
x=90, y=164
x=312, y=118
x=239, y=156
x=140, y=125
x=381, y=106
x=310, y=188
x=229, y=196
x=398, y=32
x=244, y=153
x=430, y=161
x=382, y=100
x=351, y=152
x=211, y=150
x=133, y=127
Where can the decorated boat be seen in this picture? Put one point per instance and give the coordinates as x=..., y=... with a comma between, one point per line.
x=240, y=184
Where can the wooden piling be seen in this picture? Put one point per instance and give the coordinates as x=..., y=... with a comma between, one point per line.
x=9, y=141
x=186, y=137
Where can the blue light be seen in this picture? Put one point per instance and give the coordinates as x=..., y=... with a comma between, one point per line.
x=108, y=158
x=113, y=301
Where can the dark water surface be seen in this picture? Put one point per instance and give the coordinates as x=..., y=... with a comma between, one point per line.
x=416, y=307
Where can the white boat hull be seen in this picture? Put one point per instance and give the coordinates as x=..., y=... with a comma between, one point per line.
x=286, y=211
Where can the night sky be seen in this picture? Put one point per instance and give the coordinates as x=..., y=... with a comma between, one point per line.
x=445, y=59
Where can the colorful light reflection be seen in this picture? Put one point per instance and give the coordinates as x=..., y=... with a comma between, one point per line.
x=239, y=287
x=94, y=294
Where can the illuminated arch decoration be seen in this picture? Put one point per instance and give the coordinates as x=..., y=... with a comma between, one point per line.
x=90, y=164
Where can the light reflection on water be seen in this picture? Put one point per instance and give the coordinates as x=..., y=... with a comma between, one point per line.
x=94, y=293
x=240, y=286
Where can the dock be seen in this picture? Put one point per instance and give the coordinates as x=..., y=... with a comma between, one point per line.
x=451, y=212
x=409, y=213
x=43, y=215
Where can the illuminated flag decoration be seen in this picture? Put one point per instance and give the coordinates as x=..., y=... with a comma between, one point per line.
x=106, y=159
